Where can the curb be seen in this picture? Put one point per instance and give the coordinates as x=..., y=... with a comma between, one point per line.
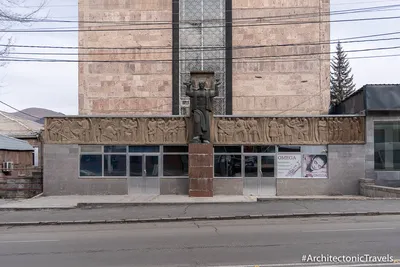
x=133, y=204
x=202, y=218
x=325, y=198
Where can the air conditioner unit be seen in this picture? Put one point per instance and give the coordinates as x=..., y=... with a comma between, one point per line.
x=7, y=166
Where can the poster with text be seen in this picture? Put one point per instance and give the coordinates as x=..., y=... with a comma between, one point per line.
x=315, y=166
x=289, y=166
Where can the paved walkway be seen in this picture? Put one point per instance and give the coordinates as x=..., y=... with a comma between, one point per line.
x=67, y=202
x=204, y=211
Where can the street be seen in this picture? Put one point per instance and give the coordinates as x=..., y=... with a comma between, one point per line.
x=215, y=243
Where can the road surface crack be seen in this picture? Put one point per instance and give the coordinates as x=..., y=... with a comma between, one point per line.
x=215, y=228
x=303, y=206
x=186, y=208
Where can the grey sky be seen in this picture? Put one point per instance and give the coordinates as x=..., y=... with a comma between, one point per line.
x=55, y=85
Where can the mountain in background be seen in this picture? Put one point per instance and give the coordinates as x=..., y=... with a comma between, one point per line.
x=38, y=114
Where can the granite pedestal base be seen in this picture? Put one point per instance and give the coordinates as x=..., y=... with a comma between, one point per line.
x=201, y=170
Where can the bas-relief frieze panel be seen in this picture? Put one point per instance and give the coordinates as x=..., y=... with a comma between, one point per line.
x=226, y=130
x=116, y=130
x=293, y=130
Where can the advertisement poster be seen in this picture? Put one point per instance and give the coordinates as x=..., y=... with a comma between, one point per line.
x=289, y=166
x=315, y=166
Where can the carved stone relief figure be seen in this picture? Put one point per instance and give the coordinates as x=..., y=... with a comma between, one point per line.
x=54, y=130
x=273, y=130
x=108, y=130
x=322, y=131
x=355, y=129
x=281, y=130
x=182, y=131
x=230, y=130
x=172, y=130
x=289, y=131
x=240, y=131
x=129, y=130
x=221, y=131
x=331, y=133
x=151, y=131
x=254, y=133
x=345, y=130
x=306, y=130
x=161, y=131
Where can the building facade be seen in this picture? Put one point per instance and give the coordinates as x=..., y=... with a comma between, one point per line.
x=272, y=57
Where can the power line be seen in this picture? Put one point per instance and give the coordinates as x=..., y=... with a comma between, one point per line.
x=190, y=60
x=288, y=16
x=343, y=40
x=18, y=110
x=111, y=4
x=53, y=30
x=198, y=49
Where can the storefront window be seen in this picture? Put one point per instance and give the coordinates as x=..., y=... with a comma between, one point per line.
x=259, y=149
x=175, y=161
x=387, y=146
x=227, y=166
x=91, y=165
x=114, y=165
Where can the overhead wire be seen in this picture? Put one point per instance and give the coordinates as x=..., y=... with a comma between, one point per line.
x=190, y=60
x=287, y=16
x=197, y=49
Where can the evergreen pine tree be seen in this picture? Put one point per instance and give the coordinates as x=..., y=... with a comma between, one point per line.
x=341, y=79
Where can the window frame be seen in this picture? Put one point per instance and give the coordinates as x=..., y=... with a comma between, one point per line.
x=392, y=123
x=162, y=154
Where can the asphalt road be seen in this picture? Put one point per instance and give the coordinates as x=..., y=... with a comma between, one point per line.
x=279, y=242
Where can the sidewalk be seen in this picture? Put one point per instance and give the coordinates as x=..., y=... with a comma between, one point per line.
x=193, y=211
x=69, y=202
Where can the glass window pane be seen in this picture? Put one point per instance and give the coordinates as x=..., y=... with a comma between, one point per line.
x=259, y=149
x=151, y=166
x=174, y=149
x=91, y=149
x=176, y=165
x=251, y=166
x=90, y=165
x=227, y=149
x=114, y=165
x=227, y=166
x=118, y=149
x=136, y=166
x=268, y=166
x=144, y=149
x=289, y=148
x=314, y=149
x=387, y=145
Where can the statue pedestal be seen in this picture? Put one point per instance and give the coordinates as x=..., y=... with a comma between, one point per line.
x=201, y=170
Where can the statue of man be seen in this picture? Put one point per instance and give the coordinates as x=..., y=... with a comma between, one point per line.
x=201, y=106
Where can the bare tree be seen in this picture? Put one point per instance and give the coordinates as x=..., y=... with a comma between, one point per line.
x=10, y=17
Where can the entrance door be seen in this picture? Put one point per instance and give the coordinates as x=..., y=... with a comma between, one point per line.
x=259, y=175
x=144, y=174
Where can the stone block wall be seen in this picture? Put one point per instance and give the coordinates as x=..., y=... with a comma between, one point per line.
x=61, y=175
x=270, y=82
x=346, y=165
x=125, y=87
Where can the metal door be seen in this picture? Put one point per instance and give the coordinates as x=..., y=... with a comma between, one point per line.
x=259, y=175
x=144, y=174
